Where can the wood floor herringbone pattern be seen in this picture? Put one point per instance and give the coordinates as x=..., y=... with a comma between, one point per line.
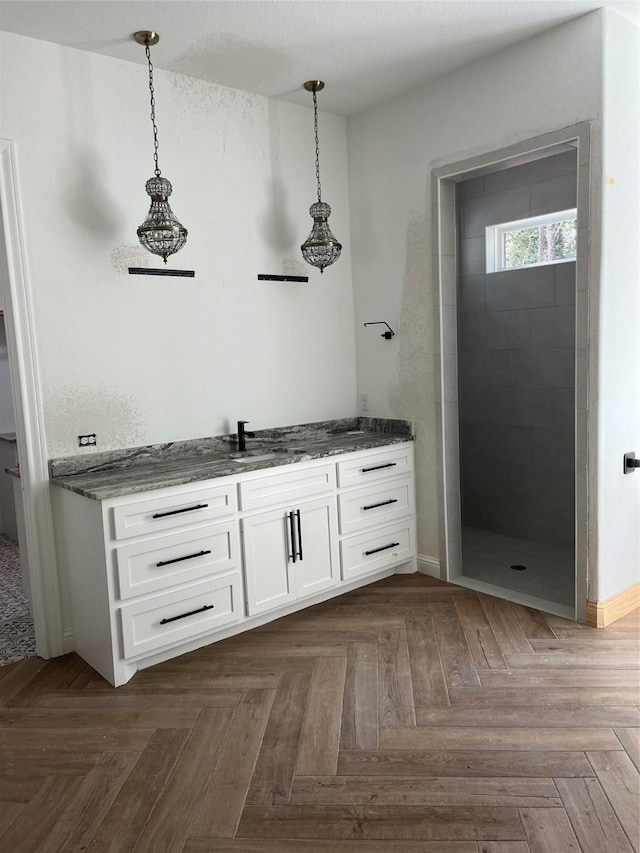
x=410, y=716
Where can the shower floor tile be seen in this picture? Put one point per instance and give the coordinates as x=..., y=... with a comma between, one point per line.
x=549, y=573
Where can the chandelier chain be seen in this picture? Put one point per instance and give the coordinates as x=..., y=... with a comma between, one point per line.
x=315, y=127
x=153, y=111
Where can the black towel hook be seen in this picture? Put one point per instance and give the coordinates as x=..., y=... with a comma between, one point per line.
x=386, y=335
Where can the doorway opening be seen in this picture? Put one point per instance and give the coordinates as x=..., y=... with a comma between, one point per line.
x=32, y=499
x=17, y=632
x=512, y=366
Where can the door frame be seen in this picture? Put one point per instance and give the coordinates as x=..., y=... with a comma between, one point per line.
x=38, y=549
x=443, y=182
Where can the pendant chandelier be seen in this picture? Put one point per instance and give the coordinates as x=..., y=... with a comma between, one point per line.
x=321, y=248
x=160, y=233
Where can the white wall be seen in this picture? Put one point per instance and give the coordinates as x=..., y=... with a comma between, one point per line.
x=619, y=351
x=141, y=360
x=545, y=83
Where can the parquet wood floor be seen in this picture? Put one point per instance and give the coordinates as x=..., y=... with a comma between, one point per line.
x=410, y=716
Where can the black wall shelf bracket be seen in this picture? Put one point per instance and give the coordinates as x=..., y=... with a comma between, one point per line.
x=153, y=271
x=386, y=335
x=268, y=277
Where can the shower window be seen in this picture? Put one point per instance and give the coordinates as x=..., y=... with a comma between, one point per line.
x=536, y=241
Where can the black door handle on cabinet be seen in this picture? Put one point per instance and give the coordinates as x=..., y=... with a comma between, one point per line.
x=382, y=503
x=299, y=534
x=180, y=559
x=293, y=555
x=379, y=467
x=384, y=548
x=176, y=511
x=184, y=615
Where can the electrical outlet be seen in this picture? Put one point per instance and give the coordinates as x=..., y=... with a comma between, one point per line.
x=364, y=402
x=87, y=440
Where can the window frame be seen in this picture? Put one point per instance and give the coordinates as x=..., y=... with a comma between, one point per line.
x=495, y=243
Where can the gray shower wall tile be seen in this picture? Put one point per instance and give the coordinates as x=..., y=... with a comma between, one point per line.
x=521, y=288
x=526, y=407
x=553, y=327
x=555, y=525
x=541, y=368
x=470, y=189
x=482, y=477
x=485, y=368
x=477, y=405
x=505, y=206
x=536, y=408
x=494, y=443
x=489, y=513
x=547, y=486
x=520, y=176
x=497, y=330
x=565, y=282
x=566, y=163
x=471, y=298
x=472, y=256
x=499, y=515
x=516, y=407
x=553, y=448
x=554, y=195
x=565, y=409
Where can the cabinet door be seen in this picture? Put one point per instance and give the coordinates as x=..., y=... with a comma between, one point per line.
x=315, y=568
x=289, y=553
x=267, y=556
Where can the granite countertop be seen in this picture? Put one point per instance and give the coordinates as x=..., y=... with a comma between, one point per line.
x=115, y=473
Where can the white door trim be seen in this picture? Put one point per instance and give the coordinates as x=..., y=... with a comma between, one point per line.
x=443, y=181
x=39, y=547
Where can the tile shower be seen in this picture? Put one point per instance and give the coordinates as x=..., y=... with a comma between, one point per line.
x=516, y=389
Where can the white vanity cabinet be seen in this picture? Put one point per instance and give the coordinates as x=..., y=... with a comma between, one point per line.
x=148, y=572
x=152, y=575
x=290, y=550
x=290, y=553
x=376, y=511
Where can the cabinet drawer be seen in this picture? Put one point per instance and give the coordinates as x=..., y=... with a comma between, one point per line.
x=287, y=487
x=165, y=561
x=376, y=549
x=379, y=465
x=173, y=617
x=363, y=508
x=146, y=517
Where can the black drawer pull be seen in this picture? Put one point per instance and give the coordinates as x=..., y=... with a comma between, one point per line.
x=384, y=548
x=176, y=511
x=382, y=503
x=379, y=467
x=180, y=559
x=184, y=615
x=294, y=554
x=299, y=534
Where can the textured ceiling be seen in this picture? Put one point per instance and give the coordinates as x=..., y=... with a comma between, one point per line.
x=365, y=50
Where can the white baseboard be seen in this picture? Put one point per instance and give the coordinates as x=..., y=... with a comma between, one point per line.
x=429, y=566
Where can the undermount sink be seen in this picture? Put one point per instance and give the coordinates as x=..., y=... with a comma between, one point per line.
x=259, y=457
x=249, y=456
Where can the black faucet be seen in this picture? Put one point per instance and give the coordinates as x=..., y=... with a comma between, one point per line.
x=243, y=435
